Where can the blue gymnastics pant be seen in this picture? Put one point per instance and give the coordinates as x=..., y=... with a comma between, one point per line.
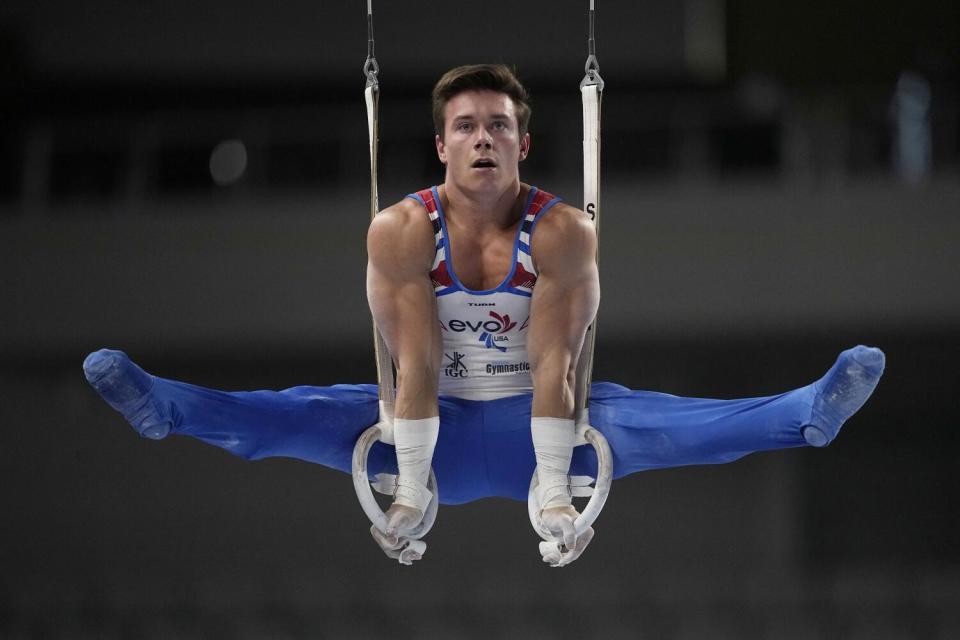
x=484, y=448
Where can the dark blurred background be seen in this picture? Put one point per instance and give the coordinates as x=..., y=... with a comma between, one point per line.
x=187, y=182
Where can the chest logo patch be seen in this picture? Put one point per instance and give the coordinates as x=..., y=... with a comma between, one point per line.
x=492, y=331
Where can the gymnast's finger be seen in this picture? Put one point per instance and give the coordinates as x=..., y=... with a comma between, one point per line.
x=401, y=519
x=550, y=553
x=389, y=544
x=569, y=532
x=575, y=553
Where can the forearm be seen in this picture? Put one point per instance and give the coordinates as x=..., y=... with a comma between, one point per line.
x=554, y=382
x=417, y=384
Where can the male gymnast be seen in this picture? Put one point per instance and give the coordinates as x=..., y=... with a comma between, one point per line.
x=483, y=288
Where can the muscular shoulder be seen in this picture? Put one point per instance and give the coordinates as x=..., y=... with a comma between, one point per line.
x=401, y=238
x=564, y=238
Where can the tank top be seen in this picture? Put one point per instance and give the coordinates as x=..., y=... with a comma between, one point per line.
x=485, y=332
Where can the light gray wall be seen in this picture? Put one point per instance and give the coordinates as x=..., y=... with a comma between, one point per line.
x=675, y=261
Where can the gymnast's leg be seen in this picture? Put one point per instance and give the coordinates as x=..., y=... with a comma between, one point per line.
x=646, y=430
x=317, y=424
x=649, y=430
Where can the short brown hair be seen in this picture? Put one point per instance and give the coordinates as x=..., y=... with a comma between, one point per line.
x=481, y=77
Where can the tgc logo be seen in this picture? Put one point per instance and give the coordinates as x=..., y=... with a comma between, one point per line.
x=491, y=331
x=455, y=368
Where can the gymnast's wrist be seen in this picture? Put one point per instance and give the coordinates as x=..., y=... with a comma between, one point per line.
x=553, y=440
x=415, y=441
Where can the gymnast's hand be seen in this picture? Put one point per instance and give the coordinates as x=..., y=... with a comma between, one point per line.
x=559, y=521
x=400, y=519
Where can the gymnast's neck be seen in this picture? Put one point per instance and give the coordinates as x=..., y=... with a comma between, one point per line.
x=483, y=209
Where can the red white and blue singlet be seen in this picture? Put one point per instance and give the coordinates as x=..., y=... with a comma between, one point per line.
x=485, y=332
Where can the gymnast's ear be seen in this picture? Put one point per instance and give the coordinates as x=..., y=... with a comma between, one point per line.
x=441, y=149
x=524, y=146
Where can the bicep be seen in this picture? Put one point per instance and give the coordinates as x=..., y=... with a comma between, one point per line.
x=567, y=292
x=405, y=310
x=400, y=293
x=562, y=308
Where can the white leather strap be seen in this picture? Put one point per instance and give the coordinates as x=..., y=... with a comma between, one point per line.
x=411, y=493
x=385, y=377
x=591, y=95
x=556, y=492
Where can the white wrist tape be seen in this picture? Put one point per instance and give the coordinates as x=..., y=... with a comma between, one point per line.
x=553, y=440
x=415, y=441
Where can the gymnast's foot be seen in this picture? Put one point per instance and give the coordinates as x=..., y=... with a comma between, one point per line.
x=841, y=392
x=127, y=388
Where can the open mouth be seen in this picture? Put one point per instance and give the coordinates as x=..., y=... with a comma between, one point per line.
x=484, y=163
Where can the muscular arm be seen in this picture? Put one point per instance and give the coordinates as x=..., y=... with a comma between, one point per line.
x=400, y=249
x=565, y=301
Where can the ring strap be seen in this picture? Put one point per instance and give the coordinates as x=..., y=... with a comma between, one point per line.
x=591, y=96
x=385, y=376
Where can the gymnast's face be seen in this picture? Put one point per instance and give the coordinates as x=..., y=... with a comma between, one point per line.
x=481, y=144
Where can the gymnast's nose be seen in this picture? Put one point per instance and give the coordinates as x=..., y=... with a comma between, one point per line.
x=484, y=140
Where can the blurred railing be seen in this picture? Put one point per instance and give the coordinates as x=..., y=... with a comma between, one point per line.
x=220, y=148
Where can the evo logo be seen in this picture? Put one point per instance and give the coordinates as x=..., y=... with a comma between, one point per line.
x=491, y=331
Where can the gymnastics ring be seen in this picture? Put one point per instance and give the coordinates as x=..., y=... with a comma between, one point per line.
x=386, y=483
x=579, y=486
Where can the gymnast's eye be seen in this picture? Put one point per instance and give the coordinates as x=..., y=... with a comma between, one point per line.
x=463, y=125
x=499, y=125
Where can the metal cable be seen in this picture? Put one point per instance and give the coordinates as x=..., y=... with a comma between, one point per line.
x=370, y=66
x=592, y=67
